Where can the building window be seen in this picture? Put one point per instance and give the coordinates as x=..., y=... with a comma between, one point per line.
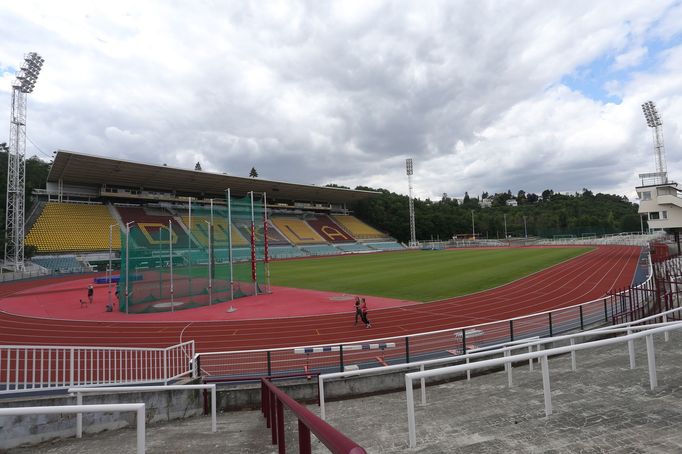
x=654, y=216
x=645, y=195
x=664, y=215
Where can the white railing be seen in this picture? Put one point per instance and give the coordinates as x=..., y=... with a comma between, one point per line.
x=108, y=408
x=542, y=356
x=140, y=389
x=474, y=353
x=27, y=368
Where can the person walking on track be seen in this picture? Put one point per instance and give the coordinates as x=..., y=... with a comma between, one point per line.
x=364, y=314
x=358, y=311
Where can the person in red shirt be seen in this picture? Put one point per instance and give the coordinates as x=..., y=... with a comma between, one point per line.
x=364, y=314
x=358, y=311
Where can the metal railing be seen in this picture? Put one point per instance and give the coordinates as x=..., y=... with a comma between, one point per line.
x=34, y=368
x=542, y=356
x=273, y=401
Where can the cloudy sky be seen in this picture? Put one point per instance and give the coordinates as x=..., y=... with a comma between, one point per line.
x=484, y=96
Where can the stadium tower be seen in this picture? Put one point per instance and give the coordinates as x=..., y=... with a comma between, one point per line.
x=659, y=199
x=24, y=83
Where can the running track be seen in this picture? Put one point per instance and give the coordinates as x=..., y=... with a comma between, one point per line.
x=582, y=279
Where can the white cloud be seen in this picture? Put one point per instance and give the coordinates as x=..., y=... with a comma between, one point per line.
x=343, y=92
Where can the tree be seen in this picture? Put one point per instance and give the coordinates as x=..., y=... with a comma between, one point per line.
x=197, y=166
x=253, y=173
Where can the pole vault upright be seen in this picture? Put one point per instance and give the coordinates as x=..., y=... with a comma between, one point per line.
x=229, y=242
x=266, y=258
x=254, y=271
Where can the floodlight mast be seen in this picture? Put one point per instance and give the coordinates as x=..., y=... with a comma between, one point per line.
x=653, y=120
x=24, y=84
x=410, y=169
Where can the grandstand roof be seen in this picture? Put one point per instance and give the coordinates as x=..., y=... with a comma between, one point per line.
x=82, y=169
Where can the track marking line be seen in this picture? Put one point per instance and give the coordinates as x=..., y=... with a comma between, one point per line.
x=318, y=333
x=183, y=330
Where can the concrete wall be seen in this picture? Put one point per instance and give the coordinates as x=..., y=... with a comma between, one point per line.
x=33, y=429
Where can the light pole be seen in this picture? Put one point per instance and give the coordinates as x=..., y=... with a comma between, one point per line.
x=128, y=224
x=109, y=270
x=22, y=86
x=473, y=227
x=505, y=225
x=525, y=229
x=210, y=282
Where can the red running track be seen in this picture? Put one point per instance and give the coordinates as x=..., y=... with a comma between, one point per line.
x=579, y=280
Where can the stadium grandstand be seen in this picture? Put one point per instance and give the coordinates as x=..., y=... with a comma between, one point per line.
x=183, y=218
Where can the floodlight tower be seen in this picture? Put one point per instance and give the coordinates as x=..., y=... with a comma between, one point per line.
x=410, y=170
x=653, y=120
x=25, y=81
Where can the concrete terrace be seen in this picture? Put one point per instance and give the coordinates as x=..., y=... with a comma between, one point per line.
x=602, y=407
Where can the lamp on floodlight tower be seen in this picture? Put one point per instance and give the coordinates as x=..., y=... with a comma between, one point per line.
x=653, y=120
x=410, y=170
x=24, y=84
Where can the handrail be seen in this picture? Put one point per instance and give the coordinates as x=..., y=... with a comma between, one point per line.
x=141, y=389
x=479, y=352
x=137, y=407
x=271, y=405
x=542, y=355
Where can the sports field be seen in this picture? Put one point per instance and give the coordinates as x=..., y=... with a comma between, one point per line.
x=418, y=275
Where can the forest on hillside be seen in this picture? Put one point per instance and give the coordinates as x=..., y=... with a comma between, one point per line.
x=546, y=215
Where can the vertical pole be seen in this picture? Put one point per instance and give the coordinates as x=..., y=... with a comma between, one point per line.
x=214, y=421
x=407, y=349
x=511, y=330
x=189, y=246
x=320, y=393
x=422, y=383
x=269, y=363
x=254, y=271
x=473, y=226
x=109, y=273
x=303, y=438
x=505, y=226
x=341, y=358
x=79, y=416
x=631, y=351
x=229, y=242
x=411, y=429
x=651, y=361
x=582, y=322
x=464, y=342
x=210, y=273
x=606, y=312
x=170, y=244
x=127, y=264
x=140, y=430
x=525, y=229
x=573, y=363
x=551, y=332
x=508, y=368
x=281, y=442
x=546, y=385
x=266, y=253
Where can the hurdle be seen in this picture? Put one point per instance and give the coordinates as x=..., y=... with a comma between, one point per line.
x=307, y=351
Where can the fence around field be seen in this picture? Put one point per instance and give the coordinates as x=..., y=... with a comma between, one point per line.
x=26, y=368
x=636, y=301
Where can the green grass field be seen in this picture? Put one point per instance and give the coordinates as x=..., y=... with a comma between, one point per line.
x=417, y=275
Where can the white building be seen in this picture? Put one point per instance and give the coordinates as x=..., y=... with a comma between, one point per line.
x=512, y=203
x=660, y=201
